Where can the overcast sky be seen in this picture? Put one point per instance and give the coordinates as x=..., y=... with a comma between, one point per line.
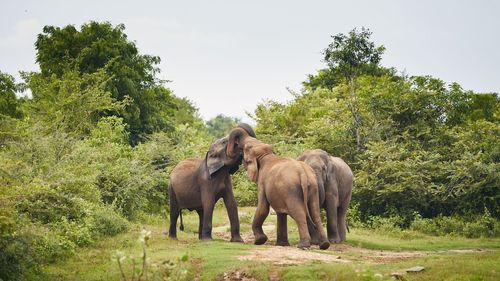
x=227, y=56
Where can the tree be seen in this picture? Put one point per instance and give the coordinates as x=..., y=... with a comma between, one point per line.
x=221, y=125
x=104, y=46
x=72, y=104
x=351, y=56
x=8, y=100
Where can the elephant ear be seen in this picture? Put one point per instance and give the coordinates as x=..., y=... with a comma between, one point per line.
x=213, y=164
x=252, y=151
x=250, y=162
x=330, y=169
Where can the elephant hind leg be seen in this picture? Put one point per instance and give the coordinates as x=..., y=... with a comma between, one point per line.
x=174, y=214
x=282, y=239
x=342, y=223
x=319, y=233
x=298, y=212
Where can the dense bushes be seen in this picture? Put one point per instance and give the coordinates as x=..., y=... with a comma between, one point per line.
x=68, y=174
x=472, y=227
x=423, y=150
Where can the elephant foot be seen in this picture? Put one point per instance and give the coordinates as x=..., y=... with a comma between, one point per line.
x=172, y=236
x=334, y=241
x=260, y=239
x=206, y=238
x=324, y=245
x=237, y=239
x=282, y=243
x=304, y=244
x=314, y=241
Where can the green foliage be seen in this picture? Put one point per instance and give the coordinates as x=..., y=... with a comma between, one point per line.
x=142, y=269
x=245, y=191
x=354, y=54
x=71, y=104
x=471, y=227
x=68, y=174
x=423, y=151
x=102, y=47
x=220, y=125
x=9, y=104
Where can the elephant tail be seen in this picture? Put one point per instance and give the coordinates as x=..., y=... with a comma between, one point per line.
x=304, y=182
x=174, y=205
x=181, y=227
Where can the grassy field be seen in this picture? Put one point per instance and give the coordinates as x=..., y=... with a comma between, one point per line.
x=368, y=255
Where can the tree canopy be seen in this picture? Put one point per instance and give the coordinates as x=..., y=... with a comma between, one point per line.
x=132, y=75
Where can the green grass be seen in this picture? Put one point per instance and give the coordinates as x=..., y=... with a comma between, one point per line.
x=209, y=260
x=474, y=266
x=410, y=240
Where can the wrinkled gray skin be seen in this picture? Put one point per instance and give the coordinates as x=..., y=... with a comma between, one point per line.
x=335, y=183
x=198, y=183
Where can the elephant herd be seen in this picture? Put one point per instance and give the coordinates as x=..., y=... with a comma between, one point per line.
x=295, y=187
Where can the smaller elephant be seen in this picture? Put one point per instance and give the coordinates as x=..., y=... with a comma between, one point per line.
x=335, y=183
x=287, y=185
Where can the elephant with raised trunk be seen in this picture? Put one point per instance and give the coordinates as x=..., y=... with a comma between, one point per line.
x=287, y=185
x=197, y=184
x=335, y=183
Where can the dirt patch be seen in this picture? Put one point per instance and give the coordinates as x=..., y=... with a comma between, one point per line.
x=339, y=253
x=236, y=275
x=377, y=256
x=288, y=255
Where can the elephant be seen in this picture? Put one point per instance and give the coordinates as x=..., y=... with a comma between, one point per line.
x=288, y=186
x=335, y=182
x=197, y=184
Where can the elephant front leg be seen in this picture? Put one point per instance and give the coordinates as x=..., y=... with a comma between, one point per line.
x=260, y=215
x=208, y=210
x=282, y=239
x=232, y=212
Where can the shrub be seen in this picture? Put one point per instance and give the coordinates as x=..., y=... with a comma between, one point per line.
x=105, y=221
x=471, y=227
x=245, y=191
x=44, y=204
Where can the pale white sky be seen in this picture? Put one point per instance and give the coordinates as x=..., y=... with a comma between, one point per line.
x=227, y=56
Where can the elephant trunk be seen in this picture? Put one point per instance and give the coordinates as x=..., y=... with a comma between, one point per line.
x=247, y=128
x=181, y=227
x=236, y=141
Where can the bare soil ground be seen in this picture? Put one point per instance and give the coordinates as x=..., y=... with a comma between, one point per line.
x=337, y=253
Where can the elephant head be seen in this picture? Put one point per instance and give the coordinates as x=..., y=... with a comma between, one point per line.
x=320, y=162
x=253, y=151
x=237, y=139
x=217, y=155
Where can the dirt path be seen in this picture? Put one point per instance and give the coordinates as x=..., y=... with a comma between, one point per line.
x=337, y=253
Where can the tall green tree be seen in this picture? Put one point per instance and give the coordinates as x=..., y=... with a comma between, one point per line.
x=133, y=75
x=350, y=56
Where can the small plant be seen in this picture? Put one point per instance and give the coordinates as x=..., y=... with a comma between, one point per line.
x=164, y=270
